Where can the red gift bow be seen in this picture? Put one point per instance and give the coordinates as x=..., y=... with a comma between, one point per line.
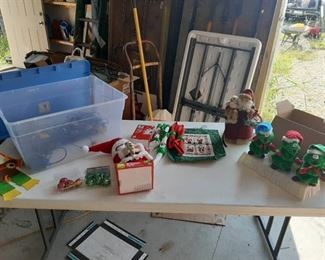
x=176, y=140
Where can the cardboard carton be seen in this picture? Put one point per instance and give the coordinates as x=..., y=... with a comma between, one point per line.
x=134, y=176
x=123, y=85
x=143, y=134
x=311, y=127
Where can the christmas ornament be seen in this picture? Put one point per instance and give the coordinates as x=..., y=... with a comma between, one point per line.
x=262, y=141
x=284, y=157
x=67, y=184
x=312, y=165
x=98, y=176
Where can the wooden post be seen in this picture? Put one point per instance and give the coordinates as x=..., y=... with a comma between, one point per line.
x=266, y=65
x=142, y=60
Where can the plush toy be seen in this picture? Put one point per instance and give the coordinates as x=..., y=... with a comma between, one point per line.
x=231, y=112
x=241, y=117
x=262, y=141
x=285, y=156
x=122, y=150
x=312, y=165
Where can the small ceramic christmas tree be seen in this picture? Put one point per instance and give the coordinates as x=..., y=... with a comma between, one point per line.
x=285, y=156
x=313, y=165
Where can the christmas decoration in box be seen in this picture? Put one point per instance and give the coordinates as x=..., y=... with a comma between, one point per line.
x=143, y=134
x=133, y=164
x=135, y=176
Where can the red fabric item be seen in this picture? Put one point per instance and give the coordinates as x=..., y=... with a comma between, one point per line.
x=105, y=147
x=249, y=92
x=175, y=140
x=235, y=131
x=292, y=134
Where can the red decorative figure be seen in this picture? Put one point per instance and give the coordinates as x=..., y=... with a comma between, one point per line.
x=241, y=116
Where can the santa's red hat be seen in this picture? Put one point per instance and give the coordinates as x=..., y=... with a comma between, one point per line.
x=115, y=147
x=106, y=147
x=248, y=93
x=293, y=136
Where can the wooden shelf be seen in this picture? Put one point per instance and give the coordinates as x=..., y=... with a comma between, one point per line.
x=63, y=42
x=65, y=4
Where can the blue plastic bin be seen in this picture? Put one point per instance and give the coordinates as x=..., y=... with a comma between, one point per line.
x=50, y=120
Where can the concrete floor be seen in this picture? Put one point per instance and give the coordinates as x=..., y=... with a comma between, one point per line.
x=167, y=239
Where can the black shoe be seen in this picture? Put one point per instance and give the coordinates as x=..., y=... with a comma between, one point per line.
x=295, y=178
x=250, y=152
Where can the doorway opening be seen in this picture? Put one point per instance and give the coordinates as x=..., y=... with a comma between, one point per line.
x=298, y=66
x=5, y=58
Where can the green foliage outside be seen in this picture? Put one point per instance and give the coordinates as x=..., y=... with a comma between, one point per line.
x=318, y=44
x=282, y=66
x=4, y=49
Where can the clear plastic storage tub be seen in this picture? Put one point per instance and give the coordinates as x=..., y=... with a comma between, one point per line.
x=49, y=123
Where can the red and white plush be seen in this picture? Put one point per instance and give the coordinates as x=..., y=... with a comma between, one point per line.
x=122, y=150
x=133, y=164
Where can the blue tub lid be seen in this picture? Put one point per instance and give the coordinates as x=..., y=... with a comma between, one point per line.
x=42, y=75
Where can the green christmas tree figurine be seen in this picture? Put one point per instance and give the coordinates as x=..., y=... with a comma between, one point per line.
x=285, y=156
x=262, y=140
x=313, y=165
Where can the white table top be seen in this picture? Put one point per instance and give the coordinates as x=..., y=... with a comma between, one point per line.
x=221, y=187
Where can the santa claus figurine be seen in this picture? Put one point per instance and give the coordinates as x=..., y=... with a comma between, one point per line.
x=241, y=130
x=122, y=150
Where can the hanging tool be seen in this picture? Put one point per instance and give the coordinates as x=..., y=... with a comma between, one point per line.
x=133, y=67
x=142, y=60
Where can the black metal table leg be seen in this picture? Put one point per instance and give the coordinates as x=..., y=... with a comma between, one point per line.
x=281, y=235
x=56, y=222
x=274, y=250
x=42, y=229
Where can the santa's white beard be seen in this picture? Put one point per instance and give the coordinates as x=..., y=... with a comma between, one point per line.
x=245, y=105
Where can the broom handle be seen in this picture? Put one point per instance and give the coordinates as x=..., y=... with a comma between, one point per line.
x=142, y=61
